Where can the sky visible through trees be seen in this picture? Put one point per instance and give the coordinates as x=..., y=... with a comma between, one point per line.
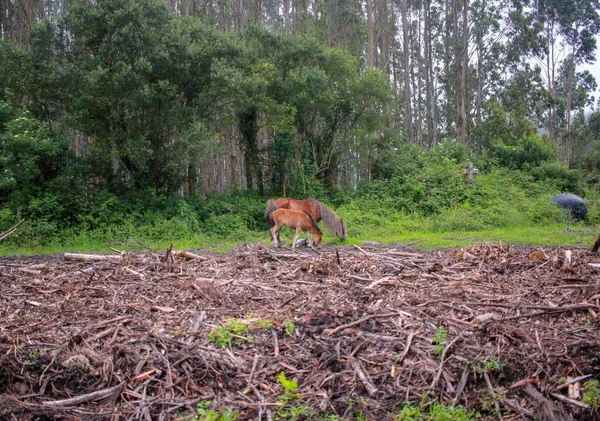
x=289, y=96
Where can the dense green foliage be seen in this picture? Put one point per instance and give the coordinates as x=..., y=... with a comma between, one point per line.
x=116, y=117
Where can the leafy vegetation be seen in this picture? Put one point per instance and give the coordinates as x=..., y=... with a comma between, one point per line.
x=205, y=413
x=237, y=332
x=434, y=411
x=111, y=134
x=440, y=341
x=591, y=395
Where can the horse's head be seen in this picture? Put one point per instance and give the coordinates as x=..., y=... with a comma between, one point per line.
x=315, y=230
x=317, y=238
x=342, y=230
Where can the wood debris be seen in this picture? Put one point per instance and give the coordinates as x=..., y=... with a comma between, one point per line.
x=127, y=335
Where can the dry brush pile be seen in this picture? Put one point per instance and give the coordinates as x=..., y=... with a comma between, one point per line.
x=510, y=332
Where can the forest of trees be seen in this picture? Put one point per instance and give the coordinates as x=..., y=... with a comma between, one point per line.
x=284, y=97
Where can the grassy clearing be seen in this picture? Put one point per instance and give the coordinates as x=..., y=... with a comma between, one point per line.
x=555, y=234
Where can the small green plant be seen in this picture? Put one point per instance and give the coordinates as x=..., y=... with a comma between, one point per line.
x=440, y=340
x=591, y=396
x=233, y=331
x=488, y=404
x=237, y=331
x=290, y=327
x=264, y=324
x=290, y=387
x=490, y=365
x=433, y=411
x=288, y=411
x=360, y=416
x=493, y=364
x=206, y=414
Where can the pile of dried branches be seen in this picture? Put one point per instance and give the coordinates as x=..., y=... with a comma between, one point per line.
x=499, y=329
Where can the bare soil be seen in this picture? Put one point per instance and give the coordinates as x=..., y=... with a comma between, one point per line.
x=358, y=329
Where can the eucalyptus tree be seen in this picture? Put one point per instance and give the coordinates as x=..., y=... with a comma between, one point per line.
x=566, y=28
x=580, y=23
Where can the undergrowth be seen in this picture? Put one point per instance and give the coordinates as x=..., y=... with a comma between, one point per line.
x=432, y=207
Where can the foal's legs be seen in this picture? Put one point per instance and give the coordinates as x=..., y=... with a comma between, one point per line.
x=275, y=235
x=298, y=231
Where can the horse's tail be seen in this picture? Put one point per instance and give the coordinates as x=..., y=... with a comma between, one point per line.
x=314, y=221
x=271, y=207
x=333, y=222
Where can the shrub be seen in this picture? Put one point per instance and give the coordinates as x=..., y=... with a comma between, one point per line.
x=528, y=152
x=559, y=176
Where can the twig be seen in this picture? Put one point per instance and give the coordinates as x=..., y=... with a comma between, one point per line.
x=357, y=322
x=575, y=380
x=11, y=230
x=570, y=401
x=406, y=347
x=545, y=407
x=438, y=374
x=94, y=396
x=405, y=254
x=572, y=307
x=275, y=344
x=461, y=384
x=371, y=389
x=488, y=382
x=362, y=251
x=196, y=327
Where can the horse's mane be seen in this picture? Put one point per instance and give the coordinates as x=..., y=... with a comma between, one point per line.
x=314, y=222
x=330, y=219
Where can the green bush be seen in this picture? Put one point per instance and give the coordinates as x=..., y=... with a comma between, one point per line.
x=224, y=225
x=528, y=152
x=559, y=176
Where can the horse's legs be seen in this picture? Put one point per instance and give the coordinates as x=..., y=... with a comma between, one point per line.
x=298, y=231
x=274, y=235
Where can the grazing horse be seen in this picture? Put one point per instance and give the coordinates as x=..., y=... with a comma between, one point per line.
x=315, y=208
x=298, y=220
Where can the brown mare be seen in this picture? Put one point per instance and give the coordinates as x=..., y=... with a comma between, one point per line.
x=298, y=220
x=315, y=208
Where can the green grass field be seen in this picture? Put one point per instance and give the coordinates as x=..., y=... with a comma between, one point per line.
x=554, y=235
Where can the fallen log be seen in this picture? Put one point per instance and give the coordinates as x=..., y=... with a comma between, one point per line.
x=190, y=255
x=90, y=257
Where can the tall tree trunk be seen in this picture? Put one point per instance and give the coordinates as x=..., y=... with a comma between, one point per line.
x=370, y=53
x=457, y=66
x=2, y=20
x=429, y=79
x=462, y=121
x=286, y=16
x=239, y=9
x=419, y=87
x=448, y=66
x=568, y=138
x=550, y=77
x=406, y=52
x=479, y=95
x=248, y=124
x=328, y=22
x=384, y=37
